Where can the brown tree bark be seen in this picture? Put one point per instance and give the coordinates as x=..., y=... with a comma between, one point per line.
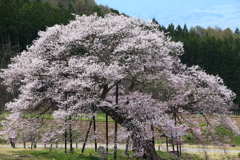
x=142, y=149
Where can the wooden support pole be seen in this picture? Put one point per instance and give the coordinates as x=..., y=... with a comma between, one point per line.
x=70, y=134
x=65, y=139
x=127, y=146
x=34, y=144
x=152, y=129
x=177, y=150
x=115, y=126
x=86, y=138
x=89, y=128
x=106, y=133
x=180, y=153
x=177, y=139
x=172, y=143
x=167, y=142
x=94, y=130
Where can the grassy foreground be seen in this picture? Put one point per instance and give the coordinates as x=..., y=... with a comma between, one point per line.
x=90, y=154
x=45, y=154
x=58, y=154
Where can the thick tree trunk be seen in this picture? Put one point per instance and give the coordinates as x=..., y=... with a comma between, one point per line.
x=149, y=151
x=142, y=149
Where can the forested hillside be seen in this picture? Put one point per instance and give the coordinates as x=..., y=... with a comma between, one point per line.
x=218, y=56
x=215, y=50
x=20, y=21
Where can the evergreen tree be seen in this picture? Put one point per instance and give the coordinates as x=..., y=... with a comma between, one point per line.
x=185, y=30
x=237, y=31
x=114, y=11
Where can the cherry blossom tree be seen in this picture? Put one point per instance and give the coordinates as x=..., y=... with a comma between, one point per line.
x=77, y=65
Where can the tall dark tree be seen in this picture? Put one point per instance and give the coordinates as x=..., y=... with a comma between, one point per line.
x=237, y=31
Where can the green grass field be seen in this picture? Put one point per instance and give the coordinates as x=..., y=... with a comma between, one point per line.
x=90, y=154
x=45, y=154
x=58, y=154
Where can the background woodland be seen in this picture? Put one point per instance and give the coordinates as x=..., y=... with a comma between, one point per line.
x=216, y=50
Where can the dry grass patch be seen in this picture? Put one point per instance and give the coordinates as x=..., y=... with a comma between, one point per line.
x=219, y=156
x=10, y=151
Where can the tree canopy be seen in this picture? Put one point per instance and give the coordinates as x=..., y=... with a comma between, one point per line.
x=78, y=64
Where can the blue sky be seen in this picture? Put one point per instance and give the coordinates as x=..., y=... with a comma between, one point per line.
x=205, y=13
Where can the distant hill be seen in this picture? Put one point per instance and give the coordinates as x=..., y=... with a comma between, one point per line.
x=81, y=6
x=215, y=32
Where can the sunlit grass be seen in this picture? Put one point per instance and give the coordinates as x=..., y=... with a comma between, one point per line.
x=99, y=117
x=10, y=151
x=56, y=154
x=3, y=115
x=218, y=156
x=46, y=154
x=212, y=147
